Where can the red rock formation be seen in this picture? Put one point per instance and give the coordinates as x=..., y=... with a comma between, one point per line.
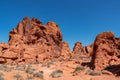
x=66, y=53
x=82, y=50
x=77, y=48
x=106, y=51
x=32, y=41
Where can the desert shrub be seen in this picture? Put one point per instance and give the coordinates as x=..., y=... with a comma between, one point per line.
x=8, y=69
x=29, y=65
x=29, y=70
x=39, y=74
x=1, y=78
x=93, y=73
x=5, y=68
x=47, y=64
x=21, y=68
x=17, y=76
x=57, y=73
x=79, y=68
x=1, y=74
x=50, y=63
x=29, y=78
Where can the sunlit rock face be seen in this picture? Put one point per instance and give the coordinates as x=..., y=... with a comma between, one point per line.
x=66, y=53
x=31, y=41
x=82, y=50
x=106, y=51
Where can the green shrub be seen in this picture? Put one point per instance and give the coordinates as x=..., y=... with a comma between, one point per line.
x=39, y=74
x=57, y=73
x=17, y=76
x=5, y=68
x=1, y=78
x=79, y=68
x=1, y=74
x=21, y=68
x=50, y=63
x=93, y=73
x=29, y=70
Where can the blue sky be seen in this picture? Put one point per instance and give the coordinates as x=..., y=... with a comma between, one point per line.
x=79, y=20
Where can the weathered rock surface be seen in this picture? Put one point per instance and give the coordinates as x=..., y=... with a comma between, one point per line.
x=106, y=51
x=32, y=41
x=82, y=50
x=66, y=53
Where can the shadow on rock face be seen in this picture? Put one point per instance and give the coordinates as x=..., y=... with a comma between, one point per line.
x=115, y=69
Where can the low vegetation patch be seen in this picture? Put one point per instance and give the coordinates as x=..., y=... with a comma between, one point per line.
x=39, y=74
x=17, y=76
x=50, y=63
x=79, y=68
x=29, y=69
x=4, y=67
x=93, y=73
x=1, y=76
x=57, y=73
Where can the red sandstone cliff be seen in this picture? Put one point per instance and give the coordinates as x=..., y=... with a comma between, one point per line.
x=32, y=41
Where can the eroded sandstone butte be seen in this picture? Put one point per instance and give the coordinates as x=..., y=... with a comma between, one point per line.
x=32, y=41
x=106, y=51
x=82, y=50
